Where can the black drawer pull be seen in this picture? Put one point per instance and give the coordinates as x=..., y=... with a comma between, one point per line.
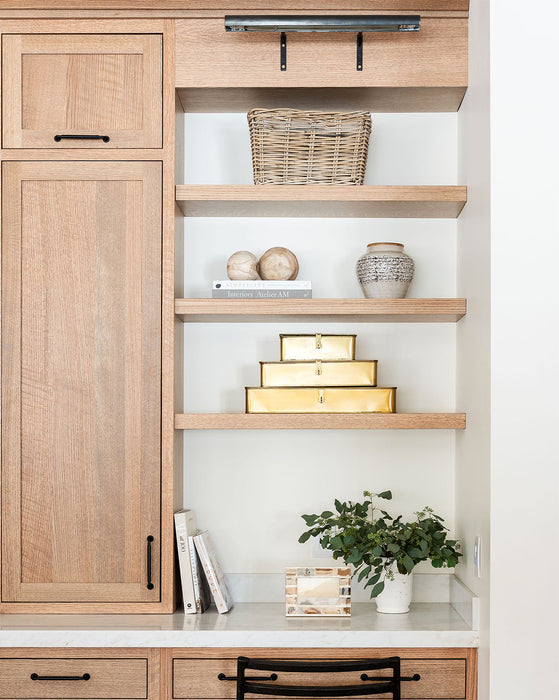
x=87, y=137
x=150, y=585
x=36, y=677
x=272, y=677
x=365, y=677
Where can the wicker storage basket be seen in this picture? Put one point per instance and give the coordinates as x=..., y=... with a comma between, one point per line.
x=292, y=147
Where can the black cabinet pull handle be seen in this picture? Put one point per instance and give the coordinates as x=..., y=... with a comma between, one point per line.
x=88, y=137
x=365, y=677
x=271, y=677
x=150, y=585
x=37, y=677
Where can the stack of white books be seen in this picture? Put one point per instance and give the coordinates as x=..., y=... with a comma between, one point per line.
x=201, y=574
x=261, y=289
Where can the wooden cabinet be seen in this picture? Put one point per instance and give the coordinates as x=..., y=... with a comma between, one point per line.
x=62, y=90
x=195, y=678
x=99, y=678
x=81, y=399
x=100, y=674
x=444, y=673
x=208, y=56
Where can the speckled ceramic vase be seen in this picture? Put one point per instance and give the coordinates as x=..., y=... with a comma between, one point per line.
x=397, y=594
x=385, y=271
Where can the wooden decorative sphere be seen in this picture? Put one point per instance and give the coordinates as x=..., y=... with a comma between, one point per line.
x=243, y=265
x=279, y=264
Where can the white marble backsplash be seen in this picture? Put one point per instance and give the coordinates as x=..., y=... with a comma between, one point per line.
x=270, y=588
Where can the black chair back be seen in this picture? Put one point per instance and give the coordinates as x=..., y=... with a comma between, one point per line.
x=370, y=685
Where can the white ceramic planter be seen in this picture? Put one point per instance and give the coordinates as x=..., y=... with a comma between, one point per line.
x=385, y=271
x=397, y=594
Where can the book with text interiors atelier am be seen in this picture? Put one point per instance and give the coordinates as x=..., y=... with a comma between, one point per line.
x=194, y=589
x=213, y=571
x=261, y=289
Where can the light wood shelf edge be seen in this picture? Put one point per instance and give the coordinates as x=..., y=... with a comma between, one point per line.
x=420, y=201
x=317, y=421
x=373, y=99
x=380, y=310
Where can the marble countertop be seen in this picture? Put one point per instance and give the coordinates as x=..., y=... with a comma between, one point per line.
x=246, y=625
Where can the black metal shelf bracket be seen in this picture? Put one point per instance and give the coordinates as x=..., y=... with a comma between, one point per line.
x=359, y=50
x=322, y=23
x=283, y=51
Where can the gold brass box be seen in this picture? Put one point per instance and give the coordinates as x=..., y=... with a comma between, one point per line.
x=319, y=373
x=361, y=399
x=317, y=347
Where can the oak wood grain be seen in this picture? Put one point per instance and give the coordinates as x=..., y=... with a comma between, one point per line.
x=410, y=656
x=115, y=672
x=76, y=84
x=109, y=678
x=198, y=678
x=81, y=490
x=81, y=154
x=49, y=22
x=325, y=421
x=172, y=352
x=207, y=56
x=166, y=678
x=324, y=652
x=233, y=5
x=372, y=99
x=382, y=310
x=321, y=200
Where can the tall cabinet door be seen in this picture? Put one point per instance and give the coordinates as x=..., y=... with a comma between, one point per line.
x=81, y=382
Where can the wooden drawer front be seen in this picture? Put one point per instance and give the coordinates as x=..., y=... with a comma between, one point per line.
x=76, y=84
x=109, y=678
x=440, y=678
x=208, y=56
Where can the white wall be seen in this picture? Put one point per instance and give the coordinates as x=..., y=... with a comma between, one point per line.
x=525, y=367
x=250, y=488
x=473, y=332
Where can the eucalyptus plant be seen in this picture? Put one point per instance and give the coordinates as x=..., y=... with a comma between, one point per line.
x=370, y=539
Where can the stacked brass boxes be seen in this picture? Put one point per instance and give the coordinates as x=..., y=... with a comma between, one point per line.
x=319, y=374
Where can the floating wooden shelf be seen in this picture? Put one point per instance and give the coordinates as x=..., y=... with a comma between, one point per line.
x=372, y=99
x=351, y=310
x=323, y=421
x=320, y=201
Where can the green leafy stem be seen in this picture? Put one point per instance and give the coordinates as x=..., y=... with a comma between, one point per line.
x=371, y=540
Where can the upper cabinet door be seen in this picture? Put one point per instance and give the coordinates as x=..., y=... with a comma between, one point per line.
x=81, y=382
x=60, y=89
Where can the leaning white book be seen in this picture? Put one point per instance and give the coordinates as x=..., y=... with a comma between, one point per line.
x=201, y=588
x=185, y=526
x=213, y=572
